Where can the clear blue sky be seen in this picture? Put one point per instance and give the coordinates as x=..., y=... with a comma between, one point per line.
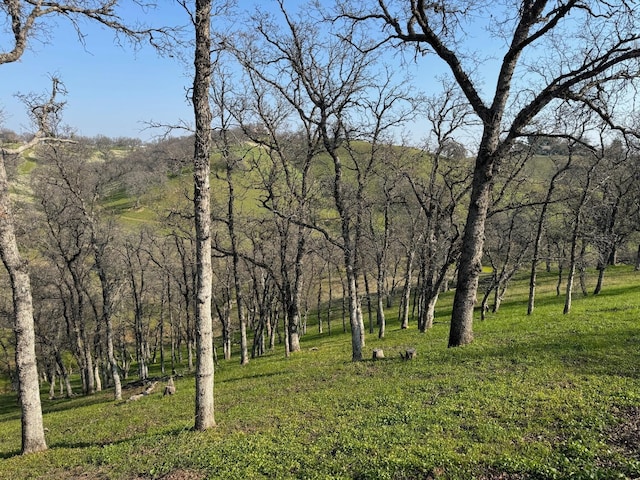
x=112, y=90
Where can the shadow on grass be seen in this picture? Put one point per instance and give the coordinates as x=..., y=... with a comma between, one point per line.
x=607, y=353
x=7, y=455
x=9, y=406
x=249, y=377
x=78, y=401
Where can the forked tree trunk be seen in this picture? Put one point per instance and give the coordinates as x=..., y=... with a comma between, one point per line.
x=539, y=231
x=108, y=322
x=355, y=319
x=406, y=292
x=33, y=439
x=429, y=312
x=64, y=374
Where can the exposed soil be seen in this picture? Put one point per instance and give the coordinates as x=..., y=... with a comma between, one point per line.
x=183, y=475
x=81, y=474
x=625, y=436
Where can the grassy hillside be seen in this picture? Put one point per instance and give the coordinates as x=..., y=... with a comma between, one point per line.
x=547, y=396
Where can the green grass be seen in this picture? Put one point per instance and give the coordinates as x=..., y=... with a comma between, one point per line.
x=543, y=397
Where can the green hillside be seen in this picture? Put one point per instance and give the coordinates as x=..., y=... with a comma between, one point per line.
x=547, y=396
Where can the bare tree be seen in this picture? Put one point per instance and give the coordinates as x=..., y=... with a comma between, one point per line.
x=201, y=18
x=325, y=80
x=136, y=266
x=587, y=167
x=542, y=218
x=221, y=91
x=65, y=245
x=615, y=211
x=508, y=242
x=380, y=239
x=285, y=176
x=83, y=184
x=439, y=195
x=45, y=115
x=591, y=57
x=25, y=18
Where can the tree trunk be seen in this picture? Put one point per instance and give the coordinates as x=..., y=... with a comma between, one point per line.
x=380, y=306
x=429, y=313
x=51, y=377
x=559, y=282
x=470, y=265
x=319, y=304
x=106, y=318
x=204, y=411
x=296, y=294
x=244, y=349
x=330, y=300
x=598, y=289
x=572, y=267
x=64, y=374
x=161, y=328
x=484, y=304
x=538, y=240
x=87, y=355
x=577, y=222
x=97, y=377
x=355, y=318
x=569, y=289
x=369, y=307
x=406, y=292
x=33, y=439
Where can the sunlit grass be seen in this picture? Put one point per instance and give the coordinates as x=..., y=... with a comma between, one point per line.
x=533, y=397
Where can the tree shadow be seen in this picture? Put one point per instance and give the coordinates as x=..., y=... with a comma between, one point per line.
x=580, y=352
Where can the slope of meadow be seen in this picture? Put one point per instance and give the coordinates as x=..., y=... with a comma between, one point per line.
x=546, y=396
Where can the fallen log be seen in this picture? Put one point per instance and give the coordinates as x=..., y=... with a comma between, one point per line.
x=145, y=392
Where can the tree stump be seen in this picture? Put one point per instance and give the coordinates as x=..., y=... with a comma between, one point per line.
x=409, y=354
x=170, y=388
x=378, y=353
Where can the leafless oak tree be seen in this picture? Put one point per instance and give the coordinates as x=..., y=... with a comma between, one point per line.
x=25, y=20
x=579, y=52
x=204, y=414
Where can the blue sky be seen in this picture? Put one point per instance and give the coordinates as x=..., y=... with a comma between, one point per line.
x=112, y=90
x=115, y=91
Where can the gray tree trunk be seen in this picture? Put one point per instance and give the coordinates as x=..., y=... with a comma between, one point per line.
x=355, y=318
x=470, y=266
x=33, y=439
x=106, y=318
x=64, y=374
x=538, y=239
x=204, y=412
x=382, y=322
x=406, y=292
x=430, y=312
